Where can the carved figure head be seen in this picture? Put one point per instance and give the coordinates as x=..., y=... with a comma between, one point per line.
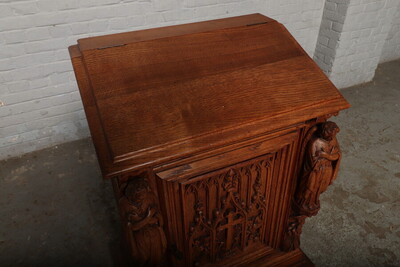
x=137, y=189
x=329, y=130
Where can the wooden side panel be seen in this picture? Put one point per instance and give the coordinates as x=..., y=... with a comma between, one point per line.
x=91, y=109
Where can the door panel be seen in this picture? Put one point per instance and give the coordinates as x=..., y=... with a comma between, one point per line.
x=231, y=211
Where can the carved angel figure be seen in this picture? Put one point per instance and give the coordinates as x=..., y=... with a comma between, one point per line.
x=322, y=156
x=144, y=223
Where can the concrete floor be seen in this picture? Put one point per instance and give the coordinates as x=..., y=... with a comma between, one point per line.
x=55, y=210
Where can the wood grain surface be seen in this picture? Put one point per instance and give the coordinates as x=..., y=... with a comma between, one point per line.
x=159, y=93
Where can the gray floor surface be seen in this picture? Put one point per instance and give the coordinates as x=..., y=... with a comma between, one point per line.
x=55, y=210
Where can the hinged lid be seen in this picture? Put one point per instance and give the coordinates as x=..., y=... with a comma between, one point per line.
x=161, y=94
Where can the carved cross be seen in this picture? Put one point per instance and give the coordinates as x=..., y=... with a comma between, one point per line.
x=230, y=228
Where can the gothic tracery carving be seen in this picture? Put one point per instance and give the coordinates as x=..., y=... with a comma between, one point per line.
x=238, y=220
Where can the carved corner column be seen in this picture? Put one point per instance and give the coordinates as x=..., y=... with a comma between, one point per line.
x=320, y=162
x=141, y=219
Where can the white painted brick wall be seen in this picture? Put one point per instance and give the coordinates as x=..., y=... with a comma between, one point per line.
x=333, y=19
x=391, y=48
x=357, y=39
x=39, y=102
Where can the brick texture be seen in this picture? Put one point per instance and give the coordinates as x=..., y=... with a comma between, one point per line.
x=39, y=102
x=333, y=19
x=391, y=48
x=352, y=36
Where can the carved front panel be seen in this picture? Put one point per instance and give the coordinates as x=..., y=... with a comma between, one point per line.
x=236, y=209
x=228, y=210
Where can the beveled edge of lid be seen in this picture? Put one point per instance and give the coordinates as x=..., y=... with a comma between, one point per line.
x=120, y=39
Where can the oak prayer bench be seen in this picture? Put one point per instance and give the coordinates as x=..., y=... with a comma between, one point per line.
x=215, y=137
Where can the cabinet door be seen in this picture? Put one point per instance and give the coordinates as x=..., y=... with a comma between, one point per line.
x=233, y=213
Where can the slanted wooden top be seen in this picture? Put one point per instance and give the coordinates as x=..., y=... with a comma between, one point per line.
x=161, y=94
